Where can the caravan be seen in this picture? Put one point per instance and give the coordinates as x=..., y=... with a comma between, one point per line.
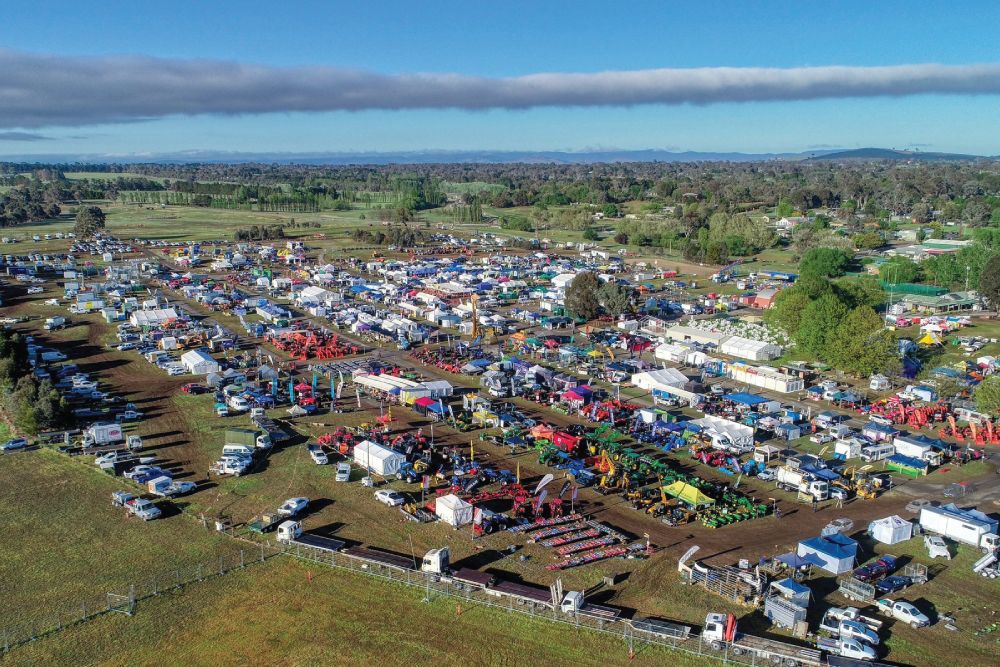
x=877, y=452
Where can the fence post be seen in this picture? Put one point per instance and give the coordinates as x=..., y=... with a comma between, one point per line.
x=84, y=617
x=156, y=588
x=261, y=552
x=199, y=572
x=222, y=567
x=242, y=561
x=178, y=574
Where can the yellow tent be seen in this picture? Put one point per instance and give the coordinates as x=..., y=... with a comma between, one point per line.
x=688, y=495
x=930, y=338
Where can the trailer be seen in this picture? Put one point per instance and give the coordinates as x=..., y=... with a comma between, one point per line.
x=290, y=532
x=379, y=557
x=523, y=593
x=661, y=629
x=964, y=526
x=855, y=590
x=720, y=634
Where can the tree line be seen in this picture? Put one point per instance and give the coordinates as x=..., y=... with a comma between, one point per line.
x=33, y=405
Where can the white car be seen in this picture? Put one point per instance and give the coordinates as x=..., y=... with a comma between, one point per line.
x=390, y=497
x=904, y=611
x=820, y=438
x=343, y=472
x=318, y=456
x=181, y=488
x=36, y=290
x=293, y=506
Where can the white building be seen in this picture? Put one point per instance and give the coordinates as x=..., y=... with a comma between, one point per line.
x=765, y=377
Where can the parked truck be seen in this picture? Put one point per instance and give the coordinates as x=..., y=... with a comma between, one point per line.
x=846, y=647
x=720, y=634
x=247, y=437
x=802, y=482
x=100, y=434
x=964, y=526
x=54, y=323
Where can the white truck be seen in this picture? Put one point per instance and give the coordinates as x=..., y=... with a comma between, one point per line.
x=964, y=526
x=720, y=634
x=165, y=487
x=803, y=483
x=846, y=647
x=904, y=611
x=54, y=323
x=140, y=507
x=100, y=434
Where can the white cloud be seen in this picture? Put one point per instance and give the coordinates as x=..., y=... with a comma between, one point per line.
x=46, y=90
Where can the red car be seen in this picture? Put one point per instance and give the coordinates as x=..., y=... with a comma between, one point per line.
x=194, y=388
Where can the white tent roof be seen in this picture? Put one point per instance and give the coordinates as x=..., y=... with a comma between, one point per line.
x=738, y=433
x=660, y=379
x=737, y=346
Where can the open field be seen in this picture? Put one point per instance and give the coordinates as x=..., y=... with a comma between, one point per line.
x=65, y=544
x=287, y=613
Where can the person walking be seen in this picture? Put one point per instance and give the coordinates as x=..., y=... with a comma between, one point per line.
x=815, y=505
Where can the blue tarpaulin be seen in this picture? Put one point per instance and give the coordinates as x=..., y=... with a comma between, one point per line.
x=744, y=398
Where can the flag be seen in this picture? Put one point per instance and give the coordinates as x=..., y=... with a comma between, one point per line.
x=518, y=472
x=427, y=482
x=477, y=517
x=576, y=489
x=545, y=480
x=539, y=501
x=565, y=487
x=472, y=451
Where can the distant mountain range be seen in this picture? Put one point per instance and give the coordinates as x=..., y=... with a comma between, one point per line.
x=483, y=156
x=892, y=154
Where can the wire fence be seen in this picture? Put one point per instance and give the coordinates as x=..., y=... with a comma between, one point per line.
x=17, y=631
x=633, y=638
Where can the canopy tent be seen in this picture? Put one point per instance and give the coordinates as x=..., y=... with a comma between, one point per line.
x=689, y=495
x=891, y=530
x=837, y=552
x=792, y=559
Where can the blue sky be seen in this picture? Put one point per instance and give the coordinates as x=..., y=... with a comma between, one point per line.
x=520, y=38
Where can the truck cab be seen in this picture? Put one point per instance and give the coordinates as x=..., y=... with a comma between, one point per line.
x=436, y=561
x=288, y=531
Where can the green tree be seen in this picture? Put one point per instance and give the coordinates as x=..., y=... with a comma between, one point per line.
x=819, y=320
x=989, y=282
x=860, y=344
x=590, y=234
x=861, y=291
x=615, y=298
x=89, y=221
x=899, y=270
x=786, y=313
x=813, y=285
x=827, y=262
x=988, y=395
x=581, y=296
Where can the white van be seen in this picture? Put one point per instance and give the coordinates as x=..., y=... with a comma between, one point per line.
x=877, y=452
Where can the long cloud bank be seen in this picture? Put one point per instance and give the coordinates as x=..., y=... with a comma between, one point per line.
x=47, y=90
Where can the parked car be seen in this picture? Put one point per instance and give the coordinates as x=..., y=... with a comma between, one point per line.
x=343, y=472
x=194, y=388
x=389, y=497
x=888, y=562
x=766, y=475
x=870, y=572
x=821, y=438
x=318, y=456
x=293, y=506
x=904, y=611
x=16, y=443
x=893, y=584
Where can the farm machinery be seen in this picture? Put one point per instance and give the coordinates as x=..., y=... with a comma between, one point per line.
x=978, y=433
x=916, y=417
x=306, y=344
